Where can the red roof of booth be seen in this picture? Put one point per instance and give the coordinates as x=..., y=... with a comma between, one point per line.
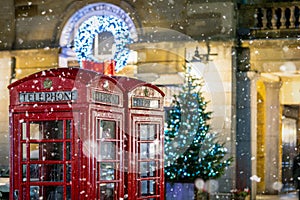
x=130, y=84
x=84, y=76
x=71, y=73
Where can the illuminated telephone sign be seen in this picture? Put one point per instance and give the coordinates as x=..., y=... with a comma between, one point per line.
x=145, y=103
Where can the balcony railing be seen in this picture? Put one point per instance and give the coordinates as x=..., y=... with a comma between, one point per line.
x=278, y=20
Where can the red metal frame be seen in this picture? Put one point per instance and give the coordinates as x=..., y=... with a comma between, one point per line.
x=109, y=120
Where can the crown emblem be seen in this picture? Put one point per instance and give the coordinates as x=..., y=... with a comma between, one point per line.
x=47, y=83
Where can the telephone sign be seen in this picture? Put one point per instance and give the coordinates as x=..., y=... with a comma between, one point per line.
x=102, y=97
x=48, y=96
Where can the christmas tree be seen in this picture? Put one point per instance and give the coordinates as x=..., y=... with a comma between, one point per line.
x=191, y=151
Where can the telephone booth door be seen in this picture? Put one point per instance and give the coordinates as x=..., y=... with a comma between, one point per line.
x=109, y=156
x=46, y=145
x=149, y=158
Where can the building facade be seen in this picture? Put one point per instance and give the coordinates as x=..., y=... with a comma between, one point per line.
x=249, y=61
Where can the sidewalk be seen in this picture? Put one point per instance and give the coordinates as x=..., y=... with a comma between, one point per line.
x=289, y=196
x=284, y=196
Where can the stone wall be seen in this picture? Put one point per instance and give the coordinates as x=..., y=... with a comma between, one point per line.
x=5, y=72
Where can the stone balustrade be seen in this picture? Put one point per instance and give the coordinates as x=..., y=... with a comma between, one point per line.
x=285, y=17
x=270, y=19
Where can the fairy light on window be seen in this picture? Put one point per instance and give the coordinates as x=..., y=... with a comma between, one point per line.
x=95, y=25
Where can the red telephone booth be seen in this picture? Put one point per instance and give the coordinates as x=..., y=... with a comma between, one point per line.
x=78, y=134
x=145, y=136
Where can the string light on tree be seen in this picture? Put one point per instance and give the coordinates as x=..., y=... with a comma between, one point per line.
x=191, y=151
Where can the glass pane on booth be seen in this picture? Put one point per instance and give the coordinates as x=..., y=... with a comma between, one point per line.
x=46, y=130
x=69, y=151
x=24, y=131
x=34, y=151
x=46, y=151
x=107, y=191
x=46, y=192
x=69, y=132
x=147, y=132
x=147, y=150
x=107, y=151
x=107, y=171
x=34, y=192
x=68, y=192
x=69, y=172
x=147, y=169
x=24, y=172
x=45, y=172
x=34, y=131
x=147, y=187
x=34, y=172
x=107, y=129
x=24, y=152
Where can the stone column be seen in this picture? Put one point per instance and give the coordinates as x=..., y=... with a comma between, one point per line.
x=253, y=105
x=246, y=112
x=272, y=136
